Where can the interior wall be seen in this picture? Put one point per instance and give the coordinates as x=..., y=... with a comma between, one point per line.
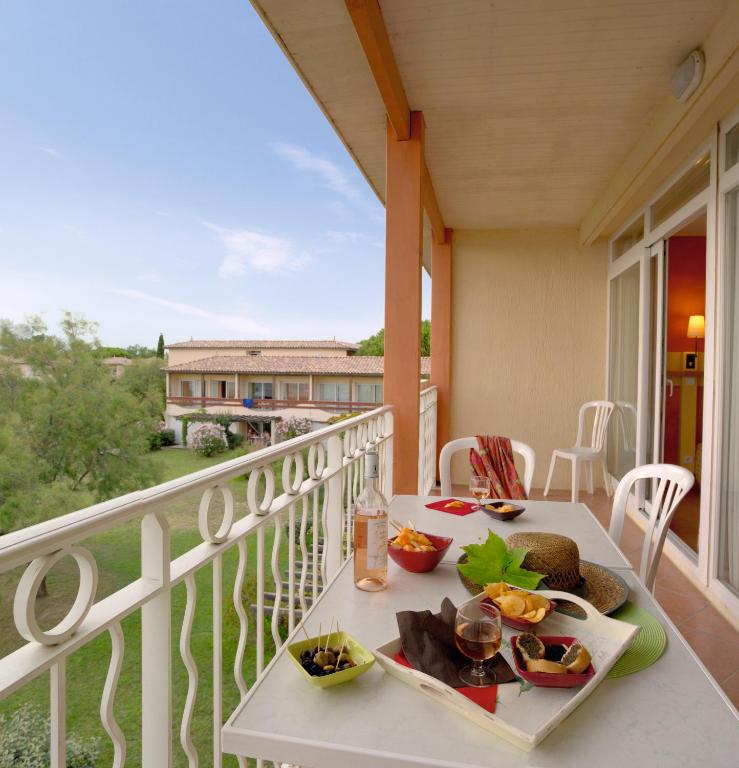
x=528, y=338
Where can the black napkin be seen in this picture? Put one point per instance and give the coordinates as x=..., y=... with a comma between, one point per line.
x=428, y=645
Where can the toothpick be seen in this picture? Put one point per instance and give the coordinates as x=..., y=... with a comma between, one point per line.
x=411, y=526
x=328, y=636
x=338, y=658
x=396, y=525
x=305, y=632
x=319, y=635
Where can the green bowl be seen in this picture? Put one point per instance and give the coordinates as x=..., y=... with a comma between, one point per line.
x=358, y=654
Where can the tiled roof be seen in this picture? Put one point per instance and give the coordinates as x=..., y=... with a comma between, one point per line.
x=263, y=344
x=356, y=365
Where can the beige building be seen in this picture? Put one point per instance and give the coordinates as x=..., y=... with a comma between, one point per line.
x=274, y=379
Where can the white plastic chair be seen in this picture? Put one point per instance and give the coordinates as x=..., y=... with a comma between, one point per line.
x=673, y=483
x=588, y=454
x=465, y=443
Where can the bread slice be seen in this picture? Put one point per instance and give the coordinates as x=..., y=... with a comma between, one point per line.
x=530, y=647
x=542, y=665
x=577, y=659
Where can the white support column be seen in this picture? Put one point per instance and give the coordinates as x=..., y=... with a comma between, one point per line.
x=334, y=514
x=156, y=666
x=58, y=715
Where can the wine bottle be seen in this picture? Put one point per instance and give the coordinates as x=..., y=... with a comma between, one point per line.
x=370, y=531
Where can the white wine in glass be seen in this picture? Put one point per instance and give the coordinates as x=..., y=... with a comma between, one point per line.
x=479, y=487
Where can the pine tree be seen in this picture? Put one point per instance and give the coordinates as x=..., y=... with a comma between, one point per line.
x=160, y=346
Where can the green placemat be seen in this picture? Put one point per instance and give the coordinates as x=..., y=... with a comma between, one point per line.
x=648, y=645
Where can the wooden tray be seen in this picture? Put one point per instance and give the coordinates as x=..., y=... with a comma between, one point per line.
x=526, y=715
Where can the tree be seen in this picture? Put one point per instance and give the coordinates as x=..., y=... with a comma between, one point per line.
x=160, y=347
x=145, y=380
x=137, y=350
x=375, y=344
x=72, y=434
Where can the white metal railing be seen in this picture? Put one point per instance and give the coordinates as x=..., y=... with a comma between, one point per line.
x=427, y=441
x=322, y=474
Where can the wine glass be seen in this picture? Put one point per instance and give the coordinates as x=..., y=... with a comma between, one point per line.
x=477, y=635
x=479, y=487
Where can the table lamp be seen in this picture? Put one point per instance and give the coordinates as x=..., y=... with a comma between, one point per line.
x=696, y=330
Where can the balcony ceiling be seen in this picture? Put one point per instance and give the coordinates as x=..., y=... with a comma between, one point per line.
x=530, y=106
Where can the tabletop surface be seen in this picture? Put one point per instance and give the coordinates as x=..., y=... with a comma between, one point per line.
x=670, y=714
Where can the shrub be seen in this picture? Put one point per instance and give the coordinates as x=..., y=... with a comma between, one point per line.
x=154, y=439
x=292, y=427
x=233, y=439
x=167, y=437
x=208, y=439
x=25, y=742
x=160, y=436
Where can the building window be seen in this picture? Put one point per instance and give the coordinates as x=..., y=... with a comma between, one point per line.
x=369, y=393
x=191, y=388
x=334, y=392
x=222, y=388
x=294, y=390
x=253, y=353
x=260, y=390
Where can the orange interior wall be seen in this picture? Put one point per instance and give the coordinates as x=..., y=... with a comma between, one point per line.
x=686, y=291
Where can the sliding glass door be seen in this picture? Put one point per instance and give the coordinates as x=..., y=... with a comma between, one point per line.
x=623, y=370
x=727, y=541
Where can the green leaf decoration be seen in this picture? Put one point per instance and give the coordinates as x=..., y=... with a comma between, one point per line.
x=492, y=561
x=485, y=562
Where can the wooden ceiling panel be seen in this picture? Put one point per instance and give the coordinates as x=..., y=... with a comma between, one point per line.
x=530, y=107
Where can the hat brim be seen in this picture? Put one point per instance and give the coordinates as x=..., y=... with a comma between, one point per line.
x=603, y=588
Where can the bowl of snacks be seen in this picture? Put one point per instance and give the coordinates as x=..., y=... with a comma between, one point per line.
x=416, y=551
x=518, y=608
x=551, y=661
x=501, y=510
x=330, y=659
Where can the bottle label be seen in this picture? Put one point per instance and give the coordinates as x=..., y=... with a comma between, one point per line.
x=376, y=542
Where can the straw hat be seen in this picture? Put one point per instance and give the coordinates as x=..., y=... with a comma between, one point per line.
x=559, y=558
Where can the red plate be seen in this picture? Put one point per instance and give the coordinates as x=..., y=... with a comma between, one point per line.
x=523, y=624
x=421, y=562
x=549, y=679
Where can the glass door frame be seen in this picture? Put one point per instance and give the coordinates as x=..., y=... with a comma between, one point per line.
x=641, y=252
x=727, y=181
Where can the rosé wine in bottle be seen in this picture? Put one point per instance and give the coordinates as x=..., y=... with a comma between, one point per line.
x=370, y=531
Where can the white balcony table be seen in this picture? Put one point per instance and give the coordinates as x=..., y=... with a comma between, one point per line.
x=671, y=714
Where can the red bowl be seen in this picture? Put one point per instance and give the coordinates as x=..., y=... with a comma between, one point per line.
x=421, y=562
x=549, y=679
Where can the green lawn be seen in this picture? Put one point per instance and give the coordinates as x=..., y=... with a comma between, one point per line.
x=118, y=556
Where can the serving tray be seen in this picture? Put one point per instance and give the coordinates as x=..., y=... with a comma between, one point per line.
x=525, y=715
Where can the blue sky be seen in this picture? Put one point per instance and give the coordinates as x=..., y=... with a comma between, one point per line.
x=164, y=169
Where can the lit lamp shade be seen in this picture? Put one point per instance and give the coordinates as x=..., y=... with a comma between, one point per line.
x=696, y=327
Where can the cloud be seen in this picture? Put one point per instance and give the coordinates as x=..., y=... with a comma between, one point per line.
x=51, y=151
x=247, y=250
x=330, y=173
x=238, y=323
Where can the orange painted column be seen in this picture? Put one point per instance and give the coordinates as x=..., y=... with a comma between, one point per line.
x=441, y=334
x=403, y=248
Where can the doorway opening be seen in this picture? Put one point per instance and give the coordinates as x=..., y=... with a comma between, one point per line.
x=683, y=346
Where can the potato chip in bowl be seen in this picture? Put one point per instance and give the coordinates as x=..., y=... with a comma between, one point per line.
x=518, y=608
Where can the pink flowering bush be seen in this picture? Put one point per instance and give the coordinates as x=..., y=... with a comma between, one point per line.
x=207, y=439
x=292, y=427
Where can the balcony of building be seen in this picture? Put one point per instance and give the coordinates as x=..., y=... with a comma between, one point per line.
x=534, y=160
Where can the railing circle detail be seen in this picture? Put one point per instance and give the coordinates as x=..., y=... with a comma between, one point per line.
x=24, y=605
x=293, y=460
x=261, y=506
x=316, y=461
x=228, y=515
